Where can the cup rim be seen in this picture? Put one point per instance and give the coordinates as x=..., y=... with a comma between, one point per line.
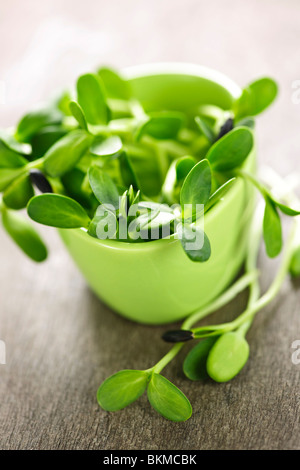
x=182, y=68
x=175, y=68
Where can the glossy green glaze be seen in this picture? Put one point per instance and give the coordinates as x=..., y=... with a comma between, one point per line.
x=155, y=282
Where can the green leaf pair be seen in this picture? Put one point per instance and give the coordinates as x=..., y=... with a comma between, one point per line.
x=126, y=386
x=94, y=148
x=220, y=358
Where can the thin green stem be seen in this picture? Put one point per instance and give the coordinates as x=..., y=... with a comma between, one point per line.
x=271, y=292
x=137, y=110
x=226, y=297
x=255, y=304
x=254, y=181
x=38, y=164
x=244, y=321
x=167, y=358
x=251, y=262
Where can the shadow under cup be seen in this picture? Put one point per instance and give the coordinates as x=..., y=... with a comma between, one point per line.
x=155, y=282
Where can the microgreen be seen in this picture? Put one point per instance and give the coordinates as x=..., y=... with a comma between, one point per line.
x=8, y=141
x=24, y=235
x=8, y=175
x=195, y=243
x=73, y=182
x=183, y=166
x=91, y=97
x=116, y=87
x=103, y=187
x=106, y=164
x=17, y=195
x=32, y=122
x=161, y=126
x=126, y=386
x=107, y=147
x=196, y=187
x=78, y=114
x=104, y=224
x=152, y=225
x=9, y=158
x=227, y=357
x=224, y=351
x=219, y=194
x=206, y=129
x=122, y=388
x=176, y=174
x=231, y=151
x=255, y=98
x=167, y=399
x=194, y=365
x=44, y=139
x=272, y=229
x=66, y=152
x=129, y=176
x=57, y=211
x=195, y=193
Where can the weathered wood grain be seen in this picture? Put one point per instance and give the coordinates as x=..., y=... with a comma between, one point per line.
x=61, y=340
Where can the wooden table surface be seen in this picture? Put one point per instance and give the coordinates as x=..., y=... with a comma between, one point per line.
x=61, y=340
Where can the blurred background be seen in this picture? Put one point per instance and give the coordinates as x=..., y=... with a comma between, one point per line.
x=61, y=341
x=45, y=45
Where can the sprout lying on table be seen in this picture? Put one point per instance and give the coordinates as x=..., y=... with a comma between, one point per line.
x=106, y=165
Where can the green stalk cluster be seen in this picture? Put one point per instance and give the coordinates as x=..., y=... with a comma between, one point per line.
x=223, y=350
x=106, y=164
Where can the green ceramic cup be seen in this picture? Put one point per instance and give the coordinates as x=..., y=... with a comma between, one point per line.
x=155, y=282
